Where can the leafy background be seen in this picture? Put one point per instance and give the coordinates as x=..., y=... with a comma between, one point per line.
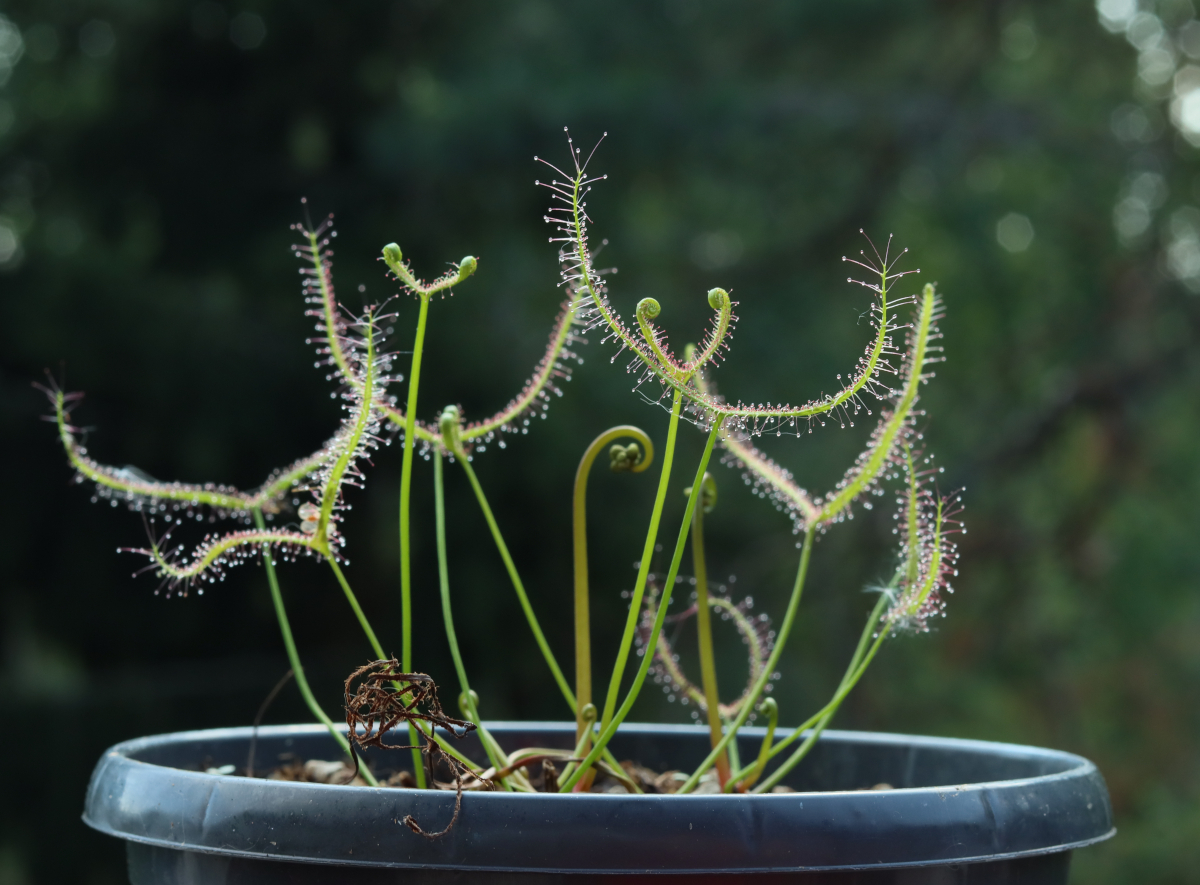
x=1036, y=158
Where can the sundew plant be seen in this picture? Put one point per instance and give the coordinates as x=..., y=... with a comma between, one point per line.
x=297, y=512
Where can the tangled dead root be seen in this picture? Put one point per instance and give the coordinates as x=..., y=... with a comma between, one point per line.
x=387, y=697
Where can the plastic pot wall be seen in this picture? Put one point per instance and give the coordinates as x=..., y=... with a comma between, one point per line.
x=960, y=811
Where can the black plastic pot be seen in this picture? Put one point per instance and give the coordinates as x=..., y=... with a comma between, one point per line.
x=961, y=811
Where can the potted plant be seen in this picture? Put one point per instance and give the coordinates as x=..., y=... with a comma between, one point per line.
x=597, y=795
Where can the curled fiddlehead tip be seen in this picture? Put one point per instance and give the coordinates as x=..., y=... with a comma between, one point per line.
x=624, y=458
x=769, y=709
x=648, y=308
x=588, y=713
x=708, y=493
x=468, y=701
x=393, y=257
x=663, y=360
x=718, y=299
x=450, y=426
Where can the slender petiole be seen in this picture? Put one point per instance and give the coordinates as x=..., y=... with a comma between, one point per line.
x=708, y=667
x=418, y=762
x=639, y=587
x=439, y=509
x=518, y=586
x=583, y=743
x=289, y=643
x=826, y=714
x=358, y=612
x=748, y=777
x=468, y=696
x=735, y=760
x=395, y=260
x=852, y=668
x=752, y=696
x=469, y=702
x=907, y=570
x=448, y=423
x=406, y=465
x=639, y=678
x=853, y=672
x=410, y=418
x=623, y=459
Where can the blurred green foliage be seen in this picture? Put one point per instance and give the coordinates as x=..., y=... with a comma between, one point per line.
x=152, y=156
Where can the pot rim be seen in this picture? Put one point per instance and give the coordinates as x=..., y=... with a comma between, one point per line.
x=1064, y=808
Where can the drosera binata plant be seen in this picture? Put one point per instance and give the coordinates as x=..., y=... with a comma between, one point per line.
x=885, y=385
x=321, y=476
x=887, y=454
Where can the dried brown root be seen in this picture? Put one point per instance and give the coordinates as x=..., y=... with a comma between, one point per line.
x=385, y=698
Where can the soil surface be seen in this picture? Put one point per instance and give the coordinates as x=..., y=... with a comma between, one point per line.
x=543, y=777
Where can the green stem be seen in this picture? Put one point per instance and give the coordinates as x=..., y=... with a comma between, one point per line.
x=289, y=643
x=639, y=587
x=708, y=667
x=826, y=714
x=755, y=771
x=752, y=696
x=418, y=762
x=582, y=743
x=491, y=747
x=559, y=678
x=358, y=612
x=519, y=587
x=439, y=507
x=852, y=668
x=410, y=421
x=448, y=748
x=747, y=777
x=583, y=641
x=731, y=748
x=857, y=665
x=648, y=655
